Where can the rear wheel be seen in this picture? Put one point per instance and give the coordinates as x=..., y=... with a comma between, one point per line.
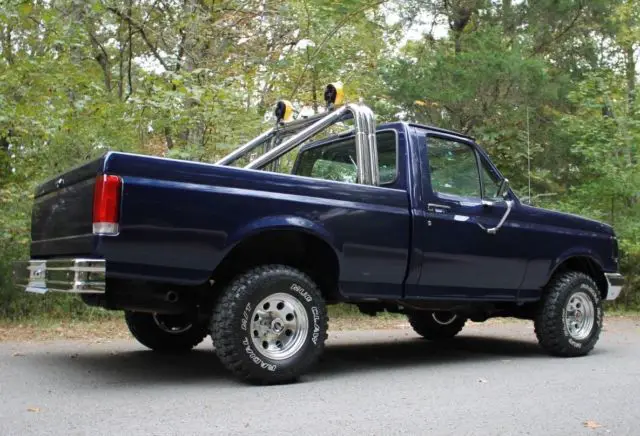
x=269, y=325
x=436, y=325
x=569, y=319
x=165, y=332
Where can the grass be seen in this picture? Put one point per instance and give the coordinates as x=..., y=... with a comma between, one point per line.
x=103, y=325
x=49, y=329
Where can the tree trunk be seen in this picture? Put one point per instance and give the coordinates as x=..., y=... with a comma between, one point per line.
x=6, y=44
x=130, y=57
x=314, y=83
x=459, y=17
x=121, y=60
x=630, y=72
x=508, y=23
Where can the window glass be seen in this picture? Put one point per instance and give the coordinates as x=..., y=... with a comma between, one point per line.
x=490, y=182
x=453, y=168
x=337, y=160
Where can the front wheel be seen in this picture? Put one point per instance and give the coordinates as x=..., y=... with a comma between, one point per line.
x=270, y=325
x=569, y=319
x=165, y=332
x=436, y=325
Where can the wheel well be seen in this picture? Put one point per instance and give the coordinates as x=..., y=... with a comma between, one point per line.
x=588, y=266
x=298, y=249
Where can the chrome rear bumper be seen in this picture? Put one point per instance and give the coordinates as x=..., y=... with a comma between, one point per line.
x=614, y=285
x=76, y=276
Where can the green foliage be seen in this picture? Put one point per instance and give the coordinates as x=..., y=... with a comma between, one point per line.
x=551, y=84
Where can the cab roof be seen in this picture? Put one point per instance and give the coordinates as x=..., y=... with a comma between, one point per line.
x=395, y=125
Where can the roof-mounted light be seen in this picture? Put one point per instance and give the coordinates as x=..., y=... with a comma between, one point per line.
x=284, y=111
x=334, y=94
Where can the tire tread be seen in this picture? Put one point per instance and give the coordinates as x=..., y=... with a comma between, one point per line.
x=223, y=327
x=426, y=327
x=546, y=325
x=145, y=331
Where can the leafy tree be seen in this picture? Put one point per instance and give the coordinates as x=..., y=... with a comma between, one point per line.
x=547, y=85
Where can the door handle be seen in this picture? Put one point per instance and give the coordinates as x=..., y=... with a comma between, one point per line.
x=433, y=207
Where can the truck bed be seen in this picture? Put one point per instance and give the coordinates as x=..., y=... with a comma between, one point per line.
x=179, y=219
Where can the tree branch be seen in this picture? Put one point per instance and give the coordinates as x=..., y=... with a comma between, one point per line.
x=540, y=47
x=347, y=18
x=102, y=57
x=143, y=34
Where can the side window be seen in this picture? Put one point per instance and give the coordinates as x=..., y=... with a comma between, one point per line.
x=490, y=182
x=453, y=168
x=337, y=160
x=335, y=168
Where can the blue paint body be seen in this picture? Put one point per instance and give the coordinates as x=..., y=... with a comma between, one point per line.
x=179, y=220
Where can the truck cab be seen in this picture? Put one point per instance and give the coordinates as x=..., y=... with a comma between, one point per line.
x=398, y=217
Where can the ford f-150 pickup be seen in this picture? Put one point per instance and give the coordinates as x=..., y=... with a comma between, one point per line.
x=399, y=217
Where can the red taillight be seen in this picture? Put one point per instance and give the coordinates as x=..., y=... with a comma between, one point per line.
x=106, y=205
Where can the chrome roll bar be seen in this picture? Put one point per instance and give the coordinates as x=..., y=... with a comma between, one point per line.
x=246, y=148
x=373, y=146
x=365, y=140
x=266, y=136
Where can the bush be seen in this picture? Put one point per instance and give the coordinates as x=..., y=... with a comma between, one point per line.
x=630, y=267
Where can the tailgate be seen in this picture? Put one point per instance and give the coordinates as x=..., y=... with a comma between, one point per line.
x=61, y=222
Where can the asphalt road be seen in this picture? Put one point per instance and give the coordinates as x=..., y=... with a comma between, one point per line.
x=491, y=380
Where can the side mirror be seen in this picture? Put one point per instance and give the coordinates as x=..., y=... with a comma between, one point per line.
x=501, y=194
x=503, y=189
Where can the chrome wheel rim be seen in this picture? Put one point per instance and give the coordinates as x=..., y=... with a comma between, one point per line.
x=443, y=318
x=579, y=315
x=166, y=324
x=279, y=326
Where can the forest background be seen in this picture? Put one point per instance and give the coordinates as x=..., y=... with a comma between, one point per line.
x=548, y=85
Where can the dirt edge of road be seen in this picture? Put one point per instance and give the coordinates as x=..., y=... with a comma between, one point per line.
x=49, y=330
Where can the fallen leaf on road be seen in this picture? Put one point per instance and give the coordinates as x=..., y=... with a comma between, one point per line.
x=482, y=380
x=17, y=354
x=33, y=409
x=591, y=424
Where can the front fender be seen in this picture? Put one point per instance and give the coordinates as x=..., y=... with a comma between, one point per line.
x=574, y=252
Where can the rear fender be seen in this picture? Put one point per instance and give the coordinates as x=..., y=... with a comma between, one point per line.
x=281, y=222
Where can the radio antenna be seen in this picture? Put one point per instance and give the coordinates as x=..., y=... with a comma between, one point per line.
x=528, y=155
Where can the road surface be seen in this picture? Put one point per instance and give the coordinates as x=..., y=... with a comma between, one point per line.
x=491, y=380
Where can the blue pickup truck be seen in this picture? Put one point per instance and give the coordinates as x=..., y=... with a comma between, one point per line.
x=398, y=217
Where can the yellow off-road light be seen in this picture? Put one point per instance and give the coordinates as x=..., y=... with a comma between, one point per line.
x=284, y=111
x=334, y=94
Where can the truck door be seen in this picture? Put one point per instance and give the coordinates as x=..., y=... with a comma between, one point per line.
x=460, y=260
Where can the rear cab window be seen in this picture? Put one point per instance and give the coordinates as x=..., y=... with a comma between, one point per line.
x=336, y=160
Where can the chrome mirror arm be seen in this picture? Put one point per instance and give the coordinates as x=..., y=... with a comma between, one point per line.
x=494, y=230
